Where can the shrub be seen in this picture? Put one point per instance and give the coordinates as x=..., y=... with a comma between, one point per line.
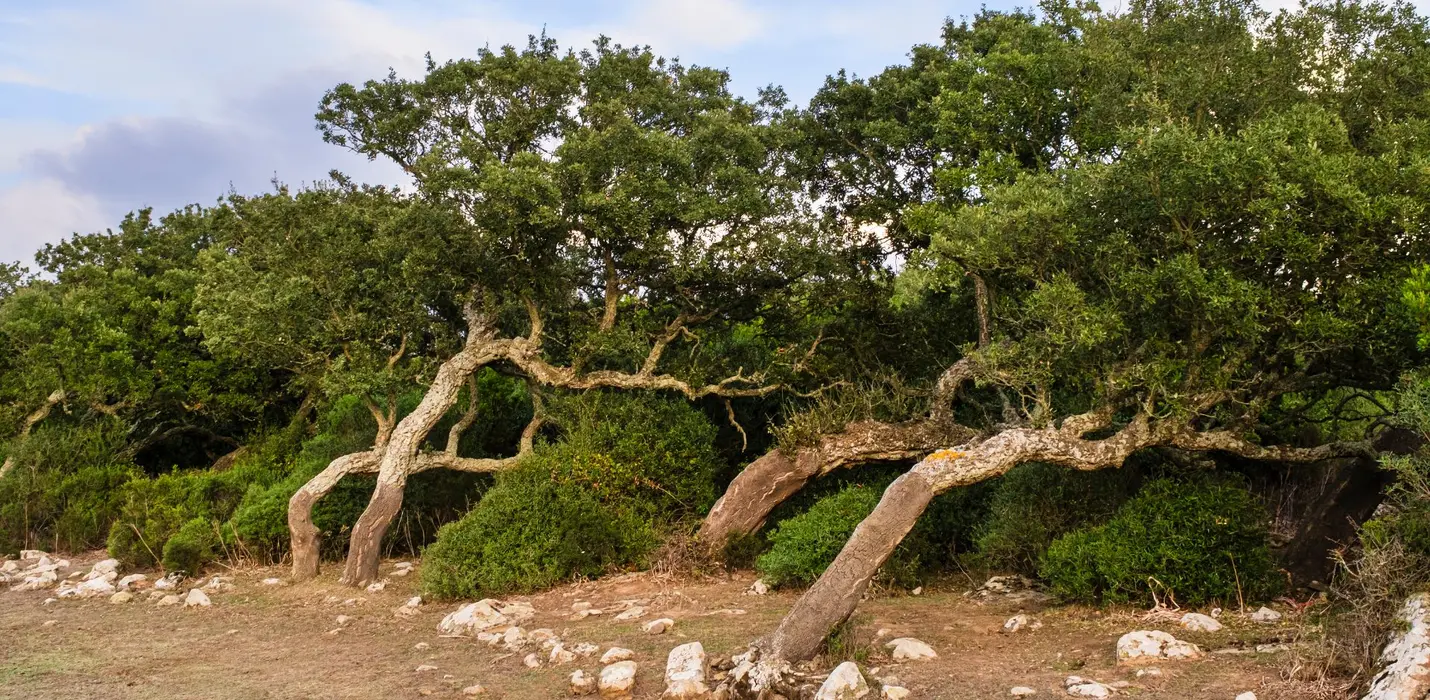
x=195, y=544
x=1202, y=540
x=63, y=490
x=1034, y=504
x=530, y=532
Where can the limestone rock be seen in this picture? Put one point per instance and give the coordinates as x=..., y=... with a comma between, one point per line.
x=273, y=582
x=95, y=587
x=1154, y=645
x=425, y=668
x=685, y=670
x=910, y=648
x=130, y=580
x=1266, y=616
x=1404, y=665
x=615, y=654
x=585, y=650
x=1022, y=691
x=632, y=613
x=1248, y=695
x=197, y=599
x=168, y=600
x=561, y=655
x=168, y=583
x=1198, y=622
x=376, y=586
x=844, y=683
x=759, y=587
x=660, y=626
x=102, y=569
x=518, y=612
x=121, y=597
x=343, y=619
x=1018, y=623
x=1084, y=688
x=532, y=661
x=472, y=618
x=474, y=689
x=582, y=684
x=894, y=692
x=618, y=680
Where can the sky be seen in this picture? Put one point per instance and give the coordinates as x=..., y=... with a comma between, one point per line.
x=107, y=106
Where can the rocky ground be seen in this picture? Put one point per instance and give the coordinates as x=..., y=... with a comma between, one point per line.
x=98, y=632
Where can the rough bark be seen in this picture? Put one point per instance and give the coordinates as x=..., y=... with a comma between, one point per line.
x=834, y=596
x=776, y=476
x=303, y=533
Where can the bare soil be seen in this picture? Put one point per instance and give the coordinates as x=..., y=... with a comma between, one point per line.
x=284, y=642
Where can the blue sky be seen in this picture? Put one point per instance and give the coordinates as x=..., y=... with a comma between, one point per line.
x=111, y=105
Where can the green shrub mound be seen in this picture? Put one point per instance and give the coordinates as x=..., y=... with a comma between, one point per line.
x=803, y=546
x=1201, y=540
x=530, y=532
x=1034, y=504
x=194, y=545
x=63, y=490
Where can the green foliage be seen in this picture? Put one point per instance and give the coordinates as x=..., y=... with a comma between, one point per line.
x=1200, y=540
x=530, y=532
x=884, y=398
x=1034, y=504
x=62, y=490
x=195, y=544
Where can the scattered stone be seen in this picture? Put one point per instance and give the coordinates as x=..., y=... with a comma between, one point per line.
x=472, y=618
x=532, y=661
x=542, y=636
x=883, y=632
x=910, y=648
x=197, y=599
x=660, y=626
x=36, y=582
x=580, y=606
x=475, y=689
x=1248, y=695
x=759, y=587
x=918, y=591
x=631, y=614
x=560, y=655
x=518, y=612
x=685, y=671
x=615, y=654
x=422, y=646
x=1083, y=688
x=121, y=597
x=376, y=586
x=894, y=692
x=513, y=638
x=102, y=569
x=49, y=623
x=585, y=650
x=1002, y=585
x=1266, y=616
x=1149, y=645
x=49, y=601
x=343, y=620
x=168, y=600
x=582, y=684
x=425, y=668
x=844, y=683
x=130, y=580
x=1149, y=672
x=1272, y=648
x=1018, y=623
x=618, y=680
x=273, y=582
x=94, y=587
x=1022, y=691
x=399, y=572
x=1198, y=622
x=219, y=584
x=168, y=583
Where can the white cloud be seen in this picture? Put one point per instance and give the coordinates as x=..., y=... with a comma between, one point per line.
x=698, y=24
x=44, y=211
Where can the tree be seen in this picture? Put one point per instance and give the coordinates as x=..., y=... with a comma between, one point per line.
x=1236, y=247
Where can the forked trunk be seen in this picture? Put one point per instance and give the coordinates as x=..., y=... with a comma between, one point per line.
x=305, y=541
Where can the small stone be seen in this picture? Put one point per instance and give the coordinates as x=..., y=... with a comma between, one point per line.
x=167, y=583
x=1248, y=695
x=272, y=582
x=1266, y=616
x=472, y=618
x=49, y=623
x=130, y=580
x=759, y=587
x=1198, y=622
x=685, y=671
x=376, y=587
x=845, y=682
x=532, y=661
x=918, y=591
x=894, y=692
x=102, y=569
x=660, y=626
x=518, y=612
x=168, y=600
x=399, y=572
x=1149, y=672
x=1022, y=691
x=1018, y=623
x=422, y=646
x=343, y=619
x=1272, y=648
x=578, y=607
x=582, y=684
x=475, y=689
x=1151, y=645
x=48, y=601
x=121, y=597
x=1090, y=689
x=585, y=650
x=615, y=654
x=425, y=668
x=94, y=587
x=910, y=648
x=617, y=680
x=513, y=638
x=631, y=614
x=197, y=599
x=560, y=655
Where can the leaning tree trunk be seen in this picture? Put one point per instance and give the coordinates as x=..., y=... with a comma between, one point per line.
x=399, y=459
x=305, y=544
x=773, y=478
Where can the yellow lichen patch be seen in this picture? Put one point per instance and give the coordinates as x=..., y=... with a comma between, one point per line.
x=946, y=455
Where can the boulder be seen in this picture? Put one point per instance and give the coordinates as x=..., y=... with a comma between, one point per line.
x=617, y=681
x=121, y=597
x=561, y=655
x=1154, y=645
x=615, y=654
x=685, y=670
x=472, y=618
x=130, y=580
x=585, y=650
x=845, y=682
x=660, y=626
x=513, y=638
x=168, y=600
x=911, y=649
x=94, y=587
x=36, y=582
x=197, y=599
x=518, y=612
x=582, y=684
x=102, y=569
x=1198, y=622
x=1404, y=665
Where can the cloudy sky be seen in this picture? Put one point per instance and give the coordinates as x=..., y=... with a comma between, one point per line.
x=111, y=105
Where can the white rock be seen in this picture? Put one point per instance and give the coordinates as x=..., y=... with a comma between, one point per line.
x=1248, y=695
x=130, y=580
x=1266, y=616
x=168, y=583
x=197, y=599
x=168, y=600
x=472, y=618
x=9, y=567
x=1272, y=648
x=631, y=613
x=36, y=582
x=219, y=584
x=845, y=682
x=894, y=692
x=49, y=623
x=1402, y=664
x=32, y=554
x=95, y=587
x=513, y=638
x=582, y=684
x=1022, y=691
x=273, y=582
x=1018, y=623
x=542, y=636
x=376, y=586
x=1152, y=645
x=617, y=680
x=615, y=654
x=580, y=605
x=518, y=612
x=49, y=601
x=685, y=669
x=585, y=650
x=660, y=626
x=917, y=591
x=1083, y=688
x=121, y=597
x=102, y=568
x=532, y=661
x=1148, y=672
x=475, y=689
x=561, y=655
x=910, y=648
x=425, y=668
x=400, y=573
x=403, y=565
x=1198, y=622
x=759, y=587
x=413, y=602
x=421, y=646
x=343, y=619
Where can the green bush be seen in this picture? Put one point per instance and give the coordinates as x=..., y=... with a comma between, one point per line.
x=1034, y=504
x=63, y=491
x=1202, y=540
x=530, y=532
x=195, y=544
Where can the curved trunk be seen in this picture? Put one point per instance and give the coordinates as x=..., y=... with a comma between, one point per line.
x=304, y=534
x=776, y=476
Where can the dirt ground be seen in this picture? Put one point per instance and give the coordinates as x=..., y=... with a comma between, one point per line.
x=284, y=641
